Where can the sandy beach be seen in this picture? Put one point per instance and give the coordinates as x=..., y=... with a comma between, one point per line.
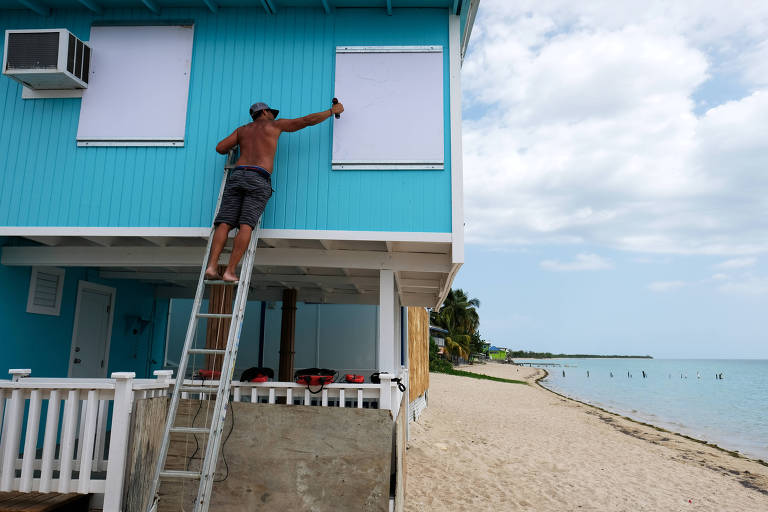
x=484, y=445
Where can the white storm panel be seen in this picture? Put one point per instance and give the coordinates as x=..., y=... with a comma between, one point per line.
x=139, y=85
x=393, y=101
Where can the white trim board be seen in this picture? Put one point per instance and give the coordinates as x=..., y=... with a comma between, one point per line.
x=389, y=49
x=471, y=15
x=85, y=285
x=384, y=166
x=448, y=283
x=138, y=257
x=195, y=232
x=84, y=143
x=457, y=169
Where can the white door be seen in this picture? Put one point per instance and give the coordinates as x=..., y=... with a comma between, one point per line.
x=92, y=330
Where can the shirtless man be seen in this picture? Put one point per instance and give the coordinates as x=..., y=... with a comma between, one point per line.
x=249, y=185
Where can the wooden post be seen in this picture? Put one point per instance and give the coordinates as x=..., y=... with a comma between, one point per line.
x=287, y=336
x=220, y=300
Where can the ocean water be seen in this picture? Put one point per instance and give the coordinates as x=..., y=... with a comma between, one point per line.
x=681, y=395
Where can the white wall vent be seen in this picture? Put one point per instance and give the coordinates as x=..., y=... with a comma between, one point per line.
x=45, y=289
x=46, y=59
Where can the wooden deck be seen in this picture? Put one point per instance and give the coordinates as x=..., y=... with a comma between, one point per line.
x=43, y=502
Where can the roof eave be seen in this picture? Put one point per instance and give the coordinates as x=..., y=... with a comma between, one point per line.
x=473, y=6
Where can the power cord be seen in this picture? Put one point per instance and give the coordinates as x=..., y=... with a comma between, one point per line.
x=223, y=453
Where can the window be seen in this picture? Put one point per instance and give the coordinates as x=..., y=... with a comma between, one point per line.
x=393, y=101
x=138, y=87
x=45, y=288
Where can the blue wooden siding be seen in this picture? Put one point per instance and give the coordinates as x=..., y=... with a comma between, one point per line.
x=43, y=342
x=239, y=56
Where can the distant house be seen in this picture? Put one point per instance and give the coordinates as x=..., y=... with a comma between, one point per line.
x=498, y=353
x=438, y=334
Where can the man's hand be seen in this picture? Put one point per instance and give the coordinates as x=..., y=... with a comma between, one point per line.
x=337, y=108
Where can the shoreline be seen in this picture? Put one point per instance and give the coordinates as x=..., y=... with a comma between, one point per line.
x=733, y=453
x=485, y=445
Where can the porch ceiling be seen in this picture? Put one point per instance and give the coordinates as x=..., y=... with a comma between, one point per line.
x=322, y=270
x=43, y=7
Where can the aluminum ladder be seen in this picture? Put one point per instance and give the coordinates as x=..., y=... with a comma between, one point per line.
x=213, y=433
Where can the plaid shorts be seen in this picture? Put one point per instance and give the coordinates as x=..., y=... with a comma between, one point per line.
x=245, y=196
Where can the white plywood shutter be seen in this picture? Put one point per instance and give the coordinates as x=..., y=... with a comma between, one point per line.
x=139, y=85
x=393, y=108
x=45, y=288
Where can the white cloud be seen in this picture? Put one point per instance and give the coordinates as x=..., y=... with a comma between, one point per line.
x=646, y=260
x=581, y=262
x=719, y=277
x=749, y=285
x=737, y=263
x=665, y=286
x=581, y=128
x=754, y=65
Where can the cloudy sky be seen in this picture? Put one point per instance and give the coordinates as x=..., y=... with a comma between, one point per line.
x=616, y=176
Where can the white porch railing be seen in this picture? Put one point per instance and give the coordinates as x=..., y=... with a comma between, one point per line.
x=84, y=424
x=342, y=394
x=71, y=435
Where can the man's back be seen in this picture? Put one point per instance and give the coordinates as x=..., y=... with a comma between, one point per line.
x=258, y=143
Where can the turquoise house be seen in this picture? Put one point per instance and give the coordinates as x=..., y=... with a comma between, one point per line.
x=109, y=178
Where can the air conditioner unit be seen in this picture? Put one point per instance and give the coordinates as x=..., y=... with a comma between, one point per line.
x=45, y=59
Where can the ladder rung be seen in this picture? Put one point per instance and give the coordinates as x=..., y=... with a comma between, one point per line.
x=214, y=315
x=221, y=283
x=190, y=430
x=199, y=389
x=207, y=351
x=191, y=475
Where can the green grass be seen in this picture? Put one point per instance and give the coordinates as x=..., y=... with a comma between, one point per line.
x=481, y=376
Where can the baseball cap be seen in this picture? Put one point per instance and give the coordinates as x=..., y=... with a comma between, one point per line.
x=262, y=106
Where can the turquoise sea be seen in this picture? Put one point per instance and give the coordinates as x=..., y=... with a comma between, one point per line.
x=681, y=395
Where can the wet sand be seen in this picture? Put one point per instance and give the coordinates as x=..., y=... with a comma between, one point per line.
x=483, y=445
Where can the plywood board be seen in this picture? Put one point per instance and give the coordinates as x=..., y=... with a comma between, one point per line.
x=418, y=351
x=139, y=75
x=401, y=434
x=144, y=446
x=282, y=457
x=394, y=111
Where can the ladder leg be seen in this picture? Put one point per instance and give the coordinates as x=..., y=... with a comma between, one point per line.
x=222, y=398
x=189, y=338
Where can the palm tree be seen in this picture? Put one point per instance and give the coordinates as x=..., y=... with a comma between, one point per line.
x=458, y=313
x=459, y=317
x=457, y=345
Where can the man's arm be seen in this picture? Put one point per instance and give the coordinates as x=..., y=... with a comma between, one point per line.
x=294, y=125
x=227, y=143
